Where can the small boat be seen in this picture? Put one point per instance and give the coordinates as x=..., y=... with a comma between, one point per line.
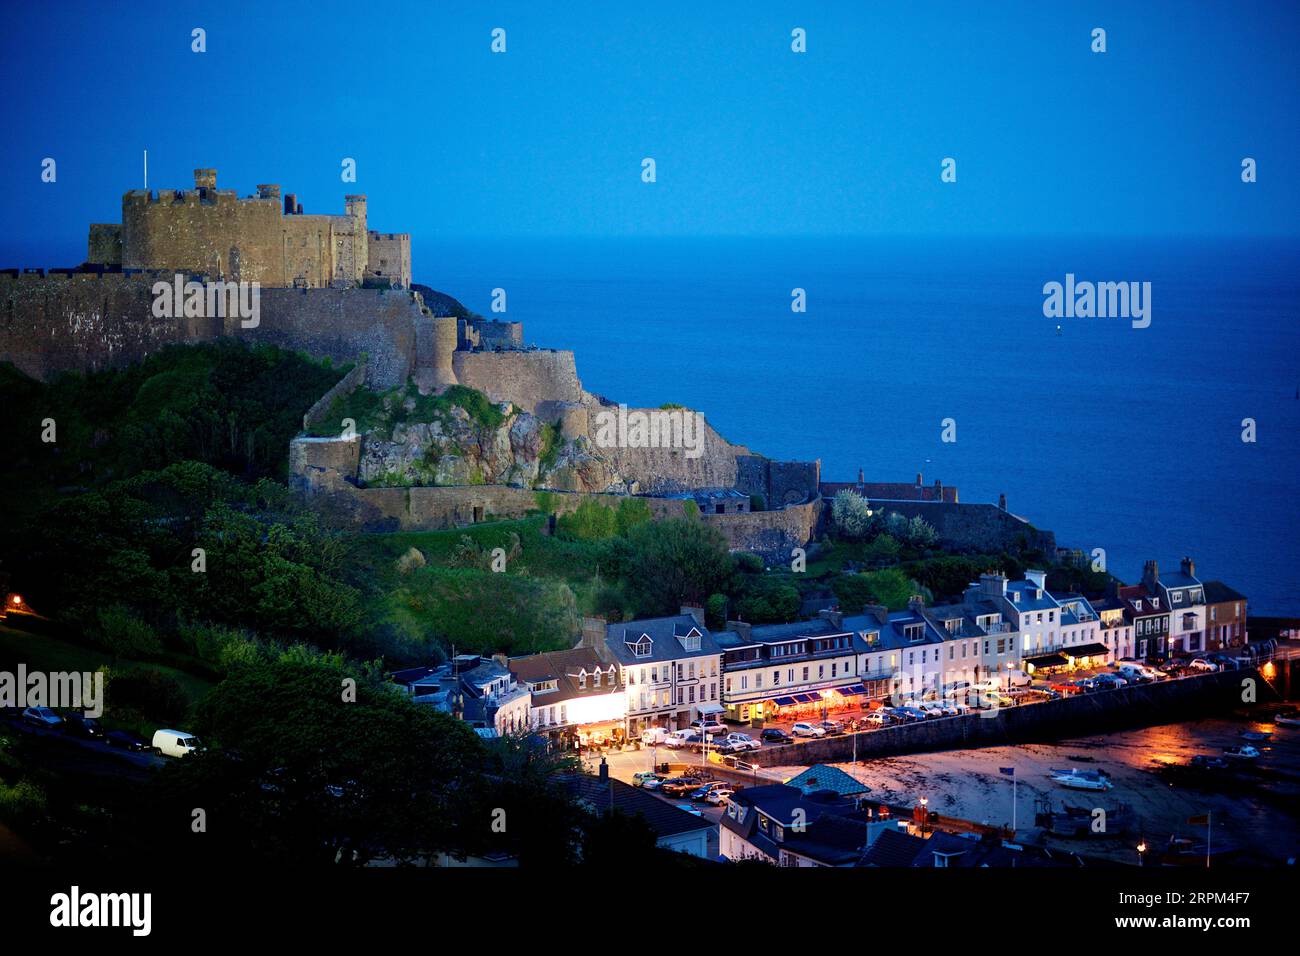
x=1081, y=779
x=1244, y=752
x=1255, y=735
x=1181, y=851
x=1288, y=718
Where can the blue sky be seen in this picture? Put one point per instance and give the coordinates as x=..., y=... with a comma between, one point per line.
x=749, y=138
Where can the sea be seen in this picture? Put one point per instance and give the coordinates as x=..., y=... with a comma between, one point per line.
x=1178, y=439
x=1119, y=438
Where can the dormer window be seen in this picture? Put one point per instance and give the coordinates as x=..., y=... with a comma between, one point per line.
x=914, y=632
x=595, y=679
x=641, y=647
x=1155, y=603
x=582, y=679
x=1176, y=596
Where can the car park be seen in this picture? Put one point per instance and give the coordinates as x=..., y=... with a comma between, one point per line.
x=805, y=729
x=775, y=735
x=87, y=728
x=42, y=717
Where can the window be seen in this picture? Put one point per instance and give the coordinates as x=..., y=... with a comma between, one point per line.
x=595, y=679
x=776, y=678
x=582, y=680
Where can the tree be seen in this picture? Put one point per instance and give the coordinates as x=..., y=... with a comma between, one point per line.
x=920, y=534
x=126, y=635
x=590, y=521
x=321, y=778
x=676, y=562
x=889, y=587
x=769, y=600
x=852, y=515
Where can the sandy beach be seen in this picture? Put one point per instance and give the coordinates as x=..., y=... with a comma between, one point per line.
x=1257, y=810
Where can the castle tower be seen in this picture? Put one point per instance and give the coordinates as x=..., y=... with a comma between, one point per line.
x=444, y=346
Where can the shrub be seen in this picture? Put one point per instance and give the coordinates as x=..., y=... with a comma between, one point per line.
x=852, y=515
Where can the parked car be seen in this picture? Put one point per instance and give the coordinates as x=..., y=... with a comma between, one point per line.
x=125, y=740
x=678, y=786
x=1202, y=665
x=775, y=735
x=709, y=726
x=704, y=789
x=805, y=729
x=1135, y=673
x=742, y=741
x=86, y=727
x=831, y=727
x=1109, y=681
x=677, y=739
x=953, y=708
x=931, y=708
x=719, y=797
x=913, y=713
x=643, y=777
x=877, y=718
x=176, y=743
x=42, y=717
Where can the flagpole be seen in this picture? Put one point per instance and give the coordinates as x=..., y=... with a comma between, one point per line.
x=1013, y=805
x=1208, y=818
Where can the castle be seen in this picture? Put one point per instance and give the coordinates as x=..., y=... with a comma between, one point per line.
x=206, y=230
x=335, y=289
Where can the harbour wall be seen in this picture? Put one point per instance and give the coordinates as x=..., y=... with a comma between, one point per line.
x=1141, y=705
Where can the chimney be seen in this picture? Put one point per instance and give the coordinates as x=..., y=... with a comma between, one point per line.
x=1189, y=567
x=743, y=628
x=915, y=602
x=861, y=478
x=938, y=490
x=1002, y=502
x=878, y=611
x=695, y=611
x=993, y=585
x=290, y=203
x=593, y=633
x=298, y=209
x=835, y=618
x=918, y=480
x=205, y=179
x=502, y=660
x=1151, y=576
x=604, y=770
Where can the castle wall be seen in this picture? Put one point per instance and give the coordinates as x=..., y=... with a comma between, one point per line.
x=389, y=257
x=524, y=378
x=773, y=534
x=342, y=388
x=87, y=321
x=104, y=246
x=778, y=482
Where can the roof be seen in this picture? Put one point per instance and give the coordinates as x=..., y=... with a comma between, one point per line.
x=663, y=818
x=824, y=777
x=664, y=634
x=1094, y=649
x=893, y=848
x=830, y=833
x=562, y=667
x=1216, y=592
x=1031, y=596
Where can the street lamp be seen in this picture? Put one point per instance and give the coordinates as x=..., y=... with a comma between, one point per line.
x=1142, y=849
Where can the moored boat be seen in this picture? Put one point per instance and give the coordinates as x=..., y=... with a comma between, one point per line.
x=1077, y=779
x=1255, y=735
x=1244, y=752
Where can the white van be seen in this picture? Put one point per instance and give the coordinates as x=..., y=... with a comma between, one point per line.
x=175, y=743
x=1136, y=673
x=1018, y=678
x=677, y=738
x=654, y=736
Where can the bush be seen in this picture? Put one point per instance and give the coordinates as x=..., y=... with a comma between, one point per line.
x=852, y=515
x=591, y=521
x=125, y=635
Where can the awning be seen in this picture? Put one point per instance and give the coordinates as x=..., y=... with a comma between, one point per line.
x=857, y=690
x=711, y=709
x=1086, y=650
x=1047, y=660
x=805, y=698
x=784, y=701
